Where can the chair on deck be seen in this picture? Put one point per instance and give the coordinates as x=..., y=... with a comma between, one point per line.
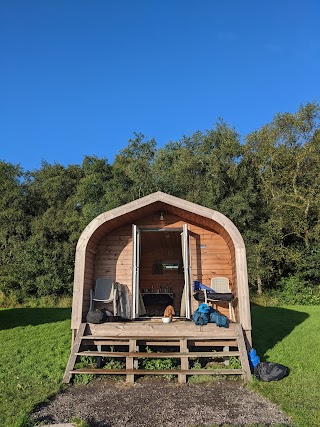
x=220, y=285
x=105, y=291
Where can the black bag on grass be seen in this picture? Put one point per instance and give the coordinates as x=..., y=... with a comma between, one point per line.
x=269, y=371
x=97, y=316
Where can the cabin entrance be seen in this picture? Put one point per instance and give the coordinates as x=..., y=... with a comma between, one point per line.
x=161, y=271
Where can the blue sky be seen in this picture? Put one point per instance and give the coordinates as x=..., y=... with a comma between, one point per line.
x=78, y=77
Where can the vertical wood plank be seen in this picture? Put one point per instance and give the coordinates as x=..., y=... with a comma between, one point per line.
x=73, y=357
x=182, y=378
x=129, y=360
x=243, y=353
x=99, y=358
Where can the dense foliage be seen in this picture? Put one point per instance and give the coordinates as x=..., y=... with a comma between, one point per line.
x=268, y=185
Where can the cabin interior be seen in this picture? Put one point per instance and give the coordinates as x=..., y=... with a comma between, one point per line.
x=161, y=280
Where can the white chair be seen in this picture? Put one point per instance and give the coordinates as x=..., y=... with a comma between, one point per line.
x=221, y=285
x=105, y=291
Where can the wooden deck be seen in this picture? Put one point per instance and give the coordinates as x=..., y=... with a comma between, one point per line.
x=185, y=341
x=155, y=328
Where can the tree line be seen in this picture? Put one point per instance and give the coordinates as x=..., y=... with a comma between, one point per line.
x=267, y=184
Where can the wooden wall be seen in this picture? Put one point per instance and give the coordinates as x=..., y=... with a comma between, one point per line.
x=210, y=257
x=114, y=256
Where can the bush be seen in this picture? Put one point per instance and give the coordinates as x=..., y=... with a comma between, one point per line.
x=15, y=299
x=84, y=362
x=294, y=290
x=159, y=364
x=113, y=363
x=234, y=363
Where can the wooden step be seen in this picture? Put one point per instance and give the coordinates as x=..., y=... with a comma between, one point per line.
x=131, y=338
x=177, y=355
x=244, y=360
x=73, y=355
x=155, y=339
x=174, y=343
x=158, y=372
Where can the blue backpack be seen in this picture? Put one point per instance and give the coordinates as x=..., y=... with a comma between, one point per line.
x=205, y=314
x=199, y=318
x=205, y=309
x=219, y=319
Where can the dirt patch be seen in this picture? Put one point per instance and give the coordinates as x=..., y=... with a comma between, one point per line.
x=158, y=403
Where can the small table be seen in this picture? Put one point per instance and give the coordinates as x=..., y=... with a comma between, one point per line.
x=151, y=298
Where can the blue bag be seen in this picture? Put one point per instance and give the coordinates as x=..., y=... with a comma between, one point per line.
x=254, y=359
x=219, y=319
x=198, y=286
x=204, y=308
x=200, y=319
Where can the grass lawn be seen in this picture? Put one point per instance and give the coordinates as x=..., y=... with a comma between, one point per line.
x=291, y=336
x=34, y=350
x=35, y=345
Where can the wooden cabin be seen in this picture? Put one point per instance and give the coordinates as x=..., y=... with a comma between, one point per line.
x=155, y=248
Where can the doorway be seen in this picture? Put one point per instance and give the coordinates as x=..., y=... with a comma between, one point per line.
x=161, y=272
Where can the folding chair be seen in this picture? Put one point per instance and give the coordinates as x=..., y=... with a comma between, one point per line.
x=105, y=291
x=221, y=285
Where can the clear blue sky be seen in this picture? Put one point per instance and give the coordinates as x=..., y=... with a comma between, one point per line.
x=78, y=77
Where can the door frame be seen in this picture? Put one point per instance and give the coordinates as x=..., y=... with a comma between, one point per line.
x=136, y=253
x=186, y=268
x=136, y=256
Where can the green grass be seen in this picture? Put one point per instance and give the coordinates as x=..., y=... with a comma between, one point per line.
x=34, y=350
x=35, y=345
x=291, y=336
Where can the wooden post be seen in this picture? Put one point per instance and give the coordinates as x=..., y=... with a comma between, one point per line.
x=243, y=353
x=226, y=360
x=73, y=356
x=182, y=378
x=99, y=358
x=136, y=362
x=129, y=360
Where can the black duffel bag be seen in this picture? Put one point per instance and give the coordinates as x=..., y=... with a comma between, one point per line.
x=270, y=371
x=97, y=316
x=223, y=297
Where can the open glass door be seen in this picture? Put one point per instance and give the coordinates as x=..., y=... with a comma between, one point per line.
x=186, y=270
x=136, y=239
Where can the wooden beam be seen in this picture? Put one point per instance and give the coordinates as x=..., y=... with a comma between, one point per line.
x=174, y=355
x=129, y=361
x=158, y=372
x=243, y=354
x=73, y=355
x=184, y=361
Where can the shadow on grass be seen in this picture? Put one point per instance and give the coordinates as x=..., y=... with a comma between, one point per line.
x=15, y=317
x=271, y=325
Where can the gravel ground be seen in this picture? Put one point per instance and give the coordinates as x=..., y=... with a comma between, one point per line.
x=158, y=403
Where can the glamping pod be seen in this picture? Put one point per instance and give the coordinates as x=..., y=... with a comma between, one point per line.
x=150, y=252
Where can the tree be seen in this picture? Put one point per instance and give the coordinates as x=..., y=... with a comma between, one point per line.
x=132, y=172
x=284, y=155
x=47, y=255
x=91, y=196
x=14, y=222
x=202, y=167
